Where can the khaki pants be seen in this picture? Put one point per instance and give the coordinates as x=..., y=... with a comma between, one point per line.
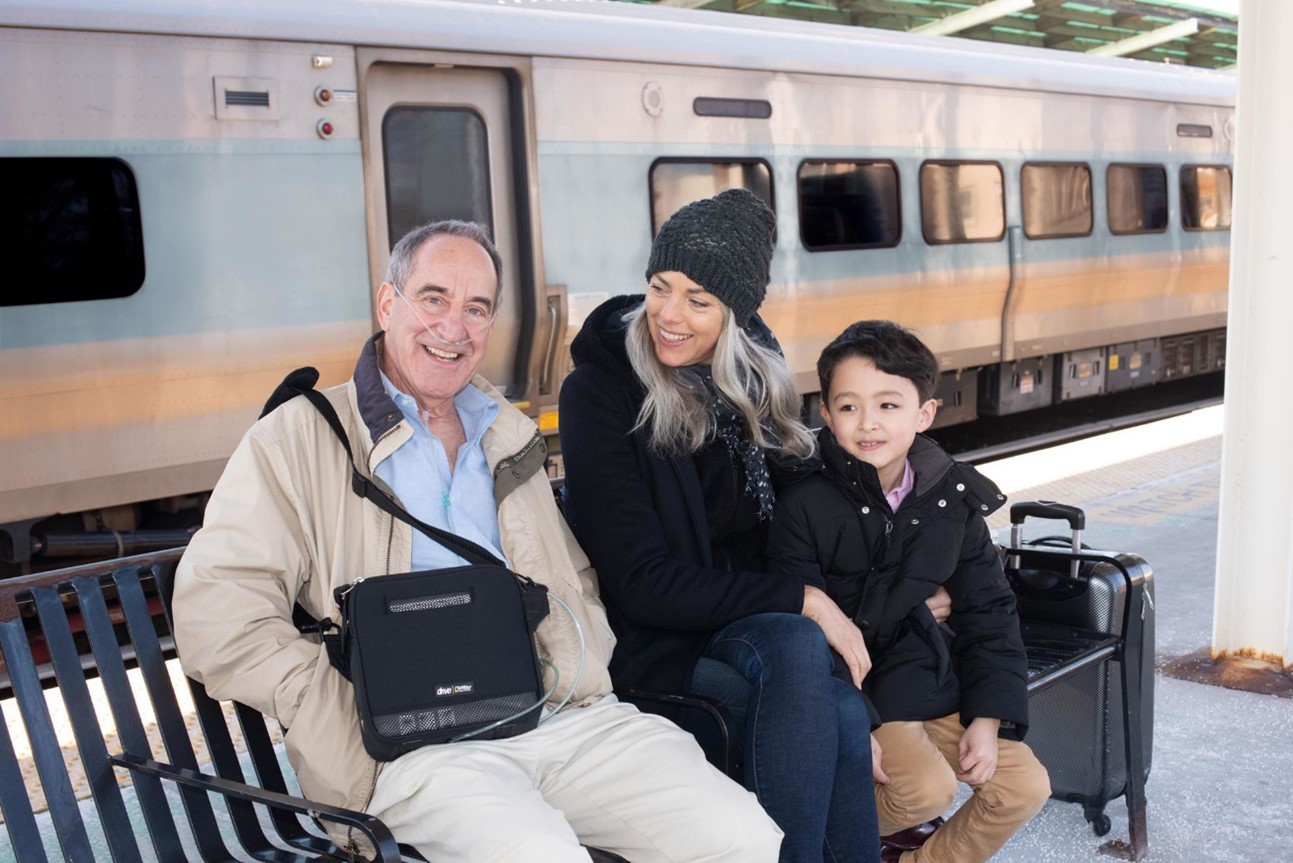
x=604, y=775
x=921, y=759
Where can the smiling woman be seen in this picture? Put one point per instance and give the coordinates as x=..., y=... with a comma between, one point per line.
x=684, y=319
x=679, y=426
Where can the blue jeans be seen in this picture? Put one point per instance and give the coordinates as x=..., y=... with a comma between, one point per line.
x=805, y=736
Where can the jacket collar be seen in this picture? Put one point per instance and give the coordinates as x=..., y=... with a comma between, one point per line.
x=931, y=464
x=378, y=411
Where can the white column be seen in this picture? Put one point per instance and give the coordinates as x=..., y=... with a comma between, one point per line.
x=1254, y=595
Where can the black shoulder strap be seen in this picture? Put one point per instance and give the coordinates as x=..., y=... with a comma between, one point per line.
x=301, y=382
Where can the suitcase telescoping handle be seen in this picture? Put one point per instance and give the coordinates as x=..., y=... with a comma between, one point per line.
x=1019, y=512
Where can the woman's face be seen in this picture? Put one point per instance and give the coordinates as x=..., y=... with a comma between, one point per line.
x=684, y=318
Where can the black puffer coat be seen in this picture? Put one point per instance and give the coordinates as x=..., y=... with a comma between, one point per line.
x=836, y=530
x=641, y=519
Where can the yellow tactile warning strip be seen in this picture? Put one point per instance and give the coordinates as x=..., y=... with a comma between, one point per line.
x=63, y=728
x=1134, y=476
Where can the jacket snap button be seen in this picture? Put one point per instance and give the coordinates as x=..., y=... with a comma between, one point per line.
x=942, y=503
x=1001, y=497
x=864, y=625
x=865, y=510
x=915, y=521
x=390, y=418
x=960, y=486
x=516, y=473
x=983, y=506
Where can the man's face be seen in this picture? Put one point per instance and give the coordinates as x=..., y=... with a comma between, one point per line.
x=437, y=324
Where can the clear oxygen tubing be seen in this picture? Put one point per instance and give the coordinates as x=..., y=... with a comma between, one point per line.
x=556, y=679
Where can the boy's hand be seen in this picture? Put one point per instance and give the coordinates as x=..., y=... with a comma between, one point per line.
x=940, y=604
x=841, y=633
x=877, y=755
x=978, y=750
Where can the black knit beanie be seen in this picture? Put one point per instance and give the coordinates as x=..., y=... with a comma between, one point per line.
x=723, y=244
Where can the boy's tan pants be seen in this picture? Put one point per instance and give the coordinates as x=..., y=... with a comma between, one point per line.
x=921, y=759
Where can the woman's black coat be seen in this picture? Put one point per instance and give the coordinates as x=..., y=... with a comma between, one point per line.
x=641, y=519
x=835, y=530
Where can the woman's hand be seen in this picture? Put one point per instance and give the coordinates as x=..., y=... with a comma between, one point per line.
x=841, y=633
x=940, y=605
x=877, y=756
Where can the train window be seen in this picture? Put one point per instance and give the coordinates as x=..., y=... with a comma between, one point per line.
x=962, y=202
x=69, y=230
x=677, y=182
x=1205, y=197
x=849, y=205
x=437, y=167
x=1137, y=199
x=1057, y=200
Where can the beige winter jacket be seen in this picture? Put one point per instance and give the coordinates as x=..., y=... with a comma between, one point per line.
x=283, y=526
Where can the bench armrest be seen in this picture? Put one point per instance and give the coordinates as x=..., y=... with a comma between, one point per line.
x=387, y=851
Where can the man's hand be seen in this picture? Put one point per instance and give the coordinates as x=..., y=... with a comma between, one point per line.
x=978, y=751
x=877, y=755
x=940, y=605
x=841, y=633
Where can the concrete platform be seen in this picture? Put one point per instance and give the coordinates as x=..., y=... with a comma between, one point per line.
x=1221, y=787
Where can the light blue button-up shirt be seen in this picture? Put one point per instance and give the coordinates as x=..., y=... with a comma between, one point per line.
x=460, y=501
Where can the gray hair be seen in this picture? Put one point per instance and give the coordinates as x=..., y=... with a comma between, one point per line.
x=754, y=379
x=401, y=264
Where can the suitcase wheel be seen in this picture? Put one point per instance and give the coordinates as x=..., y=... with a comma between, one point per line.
x=1100, y=823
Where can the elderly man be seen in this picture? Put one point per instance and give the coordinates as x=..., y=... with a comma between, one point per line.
x=283, y=527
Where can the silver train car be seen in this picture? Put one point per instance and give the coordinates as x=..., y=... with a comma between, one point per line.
x=199, y=197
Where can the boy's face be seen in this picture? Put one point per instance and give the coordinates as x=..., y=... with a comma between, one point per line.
x=875, y=416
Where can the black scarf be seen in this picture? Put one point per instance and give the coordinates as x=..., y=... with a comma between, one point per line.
x=729, y=427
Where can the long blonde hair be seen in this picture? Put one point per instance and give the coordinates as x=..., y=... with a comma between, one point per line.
x=754, y=379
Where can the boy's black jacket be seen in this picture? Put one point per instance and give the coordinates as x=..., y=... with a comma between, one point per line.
x=835, y=530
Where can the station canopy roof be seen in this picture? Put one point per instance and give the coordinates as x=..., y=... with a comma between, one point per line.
x=1203, y=33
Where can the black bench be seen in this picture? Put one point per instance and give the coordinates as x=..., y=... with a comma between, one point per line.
x=63, y=629
x=66, y=628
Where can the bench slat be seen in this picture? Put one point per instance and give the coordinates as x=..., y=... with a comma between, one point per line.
x=75, y=692
x=50, y=766
x=19, y=820
x=166, y=710
x=125, y=714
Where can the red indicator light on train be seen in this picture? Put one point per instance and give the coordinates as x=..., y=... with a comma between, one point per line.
x=324, y=128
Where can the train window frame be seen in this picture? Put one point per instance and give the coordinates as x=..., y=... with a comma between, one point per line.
x=771, y=200
x=843, y=247
x=1229, y=207
x=105, y=217
x=1023, y=201
x=488, y=191
x=920, y=179
x=1109, y=203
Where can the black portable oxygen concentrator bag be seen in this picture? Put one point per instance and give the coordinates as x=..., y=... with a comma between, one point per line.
x=436, y=655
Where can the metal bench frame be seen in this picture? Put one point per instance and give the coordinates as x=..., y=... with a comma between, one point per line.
x=108, y=598
x=107, y=605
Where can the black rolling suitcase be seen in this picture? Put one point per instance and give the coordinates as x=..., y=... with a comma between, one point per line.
x=1088, y=622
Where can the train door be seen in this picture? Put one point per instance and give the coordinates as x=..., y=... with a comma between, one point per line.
x=441, y=140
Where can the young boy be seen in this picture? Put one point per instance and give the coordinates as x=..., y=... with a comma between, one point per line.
x=890, y=519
